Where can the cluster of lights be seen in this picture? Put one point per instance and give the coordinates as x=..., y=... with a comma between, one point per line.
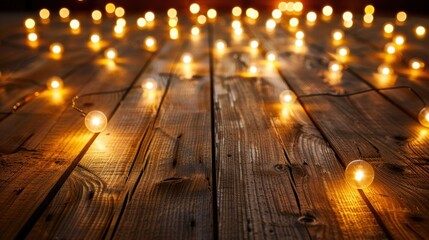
x=368, y=18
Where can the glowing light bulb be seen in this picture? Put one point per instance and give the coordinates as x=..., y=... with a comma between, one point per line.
x=347, y=16
x=95, y=38
x=276, y=14
x=149, y=16
x=417, y=64
x=390, y=48
x=121, y=22
x=271, y=56
x=64, y=13
x=337, y=35
x=348, y=24
x=149, y=84
x=253, y=69
x=195, y=31
x=211, y=13
x=74, y=24
x=420, y=31
x=368, y=18
x=201, y=19
x=118, y=29
x=385, y=70
x=299, y=35
x=32, y=37
x=30, y=23
x=119, y=12
x=44, y=14
x=110, y=8
x=343, y=51
x=293, y=22
x=399, y=40
x=369, y=9
x=96, y=15
x=388, y=28
x=141, y=22
x=401, y=16
x=174, y=33
x=299, y=42
x=95, y=121
x=270, y=25
x=55, y=83
x=327, y=11
x=111, y=53
x=150, y=42
x=187, y=58
x=311, y=17
x=220, y=44
x=289, y=7
x=298, y=6
x=236, y=11
x=236, y=24
x=194, y=8
x=56, y=48
x=335, y=67
x=282, y=6
x=359, y=174
x=254, y=44
x=424, y=117
x=171, y=13
x=238, y=31
x=172, y=22
x=287, y=97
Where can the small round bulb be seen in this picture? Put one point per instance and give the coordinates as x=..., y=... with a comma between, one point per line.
x=54, y=83
x=141, y=22
x=385, y=69
x=416, y=64
x=95, y=121
x=96, y=15
x=220, y=44
x=30, y=23
x=343, y=51
x=401, y=16
x=359, y=174
x=335, y=67
x=287, y=97
x=111, y=53
x=32, y=37
x=187, y=58
x=236, y=24
x=388, y=28
x=74, y=24
x=44, y=14
x=299, y=35
x=195, y=31
x=270, y=25
x=64, y=13
x=149, y=84
x=299, y=42
x=150, y=42
x=390, y=48
x=399, y=40
x=271, y=56
x=420, y=31
x=149, y=16
x=311, y=17
x=254, y=44
x=56, y=48
x=95, y=38
x=424, y=117
x=253, y=69
x=337, y=35
x=327, y=11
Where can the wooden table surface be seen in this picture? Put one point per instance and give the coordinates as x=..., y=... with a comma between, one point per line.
x=211, y=153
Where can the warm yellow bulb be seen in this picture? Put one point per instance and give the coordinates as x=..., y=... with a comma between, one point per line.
x=64, y=13
x=424, y=117
x=420, y=31
x=347, y=16
x=195, y=31
x=270, y=25
x=298, y=6
x=299, y=42
x=369, y=9
x=119, y=12
x=253, y=69
x=96, y=15
x=359, y=174
x=368, y=18
x=287, y=97
x=118, y=29
x=56, y=48
x=211, y=13
x=141, y=22
x=111, y=53
x=343, y=51
x=348, y=24
x=194, y=8
x=121, y=22
x=327, y=11
x=282, y=6
x=236, y=24
x=172, y=22
x=238, y=31
x=385, y=69
x=271, y=56
x=44, y=13
x=390, y=48
x=74, y=24
x=299, y=35
x=149, y=84
x=401, y=16
x=311, y=17
x=254, y=44
x=236, y=11
x=337, y=35
x=276, y=14
x=30, y=23
x=110, y=8
x=187, y=58
x=150, y=42
x=32, y=37
x=54, y=83
x=201, y=19
x=220, y=44
x=149, y=16
x=293, y=22
x=174, y=33
x=388, y=28
x=417, y=64
x=289, y=7
x=171, y=13
x=399, y=40
x=95, y=38
x=335, y=67
x=95, y=121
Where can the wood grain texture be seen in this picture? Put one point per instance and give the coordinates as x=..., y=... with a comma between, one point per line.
x=172, y=199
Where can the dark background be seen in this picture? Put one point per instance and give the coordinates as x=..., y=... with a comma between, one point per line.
x=381, y=6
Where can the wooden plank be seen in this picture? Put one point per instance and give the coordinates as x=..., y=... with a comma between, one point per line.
x=45, y=161
x=178, y=160
x=384, y=136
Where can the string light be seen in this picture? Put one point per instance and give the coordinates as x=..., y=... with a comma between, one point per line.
x=388, y=28
x=348, y=24
x=236, y=11
x=195, y=31
x=55, y=83
x=64, y=13
x=401, y=16
x=74, y=24
x=287, y=97
x=298, y=6
x=293, y=22
x=121, y=22
x=44, y=14
x=299, y=35
x=187, y=58
x=390, y=48
x=96, y=15
x=399, y=40
x=235, y=24
x=424, y=117
x=270, y=25
x=337, y=35
x=416, y=64
x=282, y=6
x=149, y=16
x=56, y=48
x=150, y=43
x=253, y=69
x=359, y=174
x=141, y=22
x=299, y=42
x=172, y=22
x=171, y=13
x=174, y=33
x=110, y=8
x=385, y=70
x=211, y=14
x=327, y=11
x=271, y=56
x=95, y=38
x=254, y=44
x=119, y=30
x=276, y=14
x=111, y=53
x=369, y=9
x=335, y=67
x=201, y=19
x=220, y=44
x=119, y=12
x=149, y=84
x=420, y=31
x=238, y=31
x=194, y=8
x=311, y=17
x=32, y=37
x=30, y=23
x=368, y=18
x=96, y=121
x=347, y=16
x=343, y=51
